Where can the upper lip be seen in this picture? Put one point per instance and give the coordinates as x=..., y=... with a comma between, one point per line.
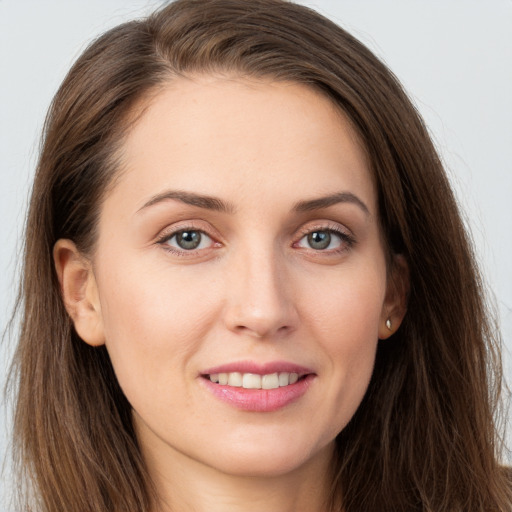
x=259, y=368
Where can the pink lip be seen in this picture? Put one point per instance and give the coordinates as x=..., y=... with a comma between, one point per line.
x=259, y=369
x=259, y=400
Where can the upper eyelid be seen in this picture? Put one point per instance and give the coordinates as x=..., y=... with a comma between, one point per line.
x=167, y=234
x=172, y=234
x=336, y=227
x=191, y=225
x=344, y=237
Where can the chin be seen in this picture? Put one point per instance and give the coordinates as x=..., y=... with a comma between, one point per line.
x=273, y=460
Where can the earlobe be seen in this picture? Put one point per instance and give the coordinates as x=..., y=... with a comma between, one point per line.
x=395, y=303
x=79, y=291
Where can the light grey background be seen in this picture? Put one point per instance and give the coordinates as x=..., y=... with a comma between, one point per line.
x=454, y=57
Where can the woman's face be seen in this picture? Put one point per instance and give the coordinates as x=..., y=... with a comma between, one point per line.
x=239, y=279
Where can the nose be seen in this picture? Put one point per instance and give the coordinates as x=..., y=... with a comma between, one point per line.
x=259, y=300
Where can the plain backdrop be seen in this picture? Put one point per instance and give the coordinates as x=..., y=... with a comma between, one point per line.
x=454, y=57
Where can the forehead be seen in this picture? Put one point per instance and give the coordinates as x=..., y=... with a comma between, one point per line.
x=240, y=137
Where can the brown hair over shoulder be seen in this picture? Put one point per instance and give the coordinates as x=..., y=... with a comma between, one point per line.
x=425, y=436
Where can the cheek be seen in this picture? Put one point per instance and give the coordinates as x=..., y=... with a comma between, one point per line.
x=349, y=336
x=153, y=321
x=346, y=321
x=346, y=306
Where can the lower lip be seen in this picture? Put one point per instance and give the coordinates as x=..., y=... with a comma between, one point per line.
x=260, y=400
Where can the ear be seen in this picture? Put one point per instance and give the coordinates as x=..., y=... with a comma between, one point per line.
x=395, y=302
x=79, y=291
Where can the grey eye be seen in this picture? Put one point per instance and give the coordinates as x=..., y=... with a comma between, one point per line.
x=188, y=240
x=319, y=240
x=324, y=240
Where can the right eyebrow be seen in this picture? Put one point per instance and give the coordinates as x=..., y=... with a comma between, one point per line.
x=201, y=201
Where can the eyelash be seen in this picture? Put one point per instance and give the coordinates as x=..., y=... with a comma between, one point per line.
x=169, y=235
x=346, y=241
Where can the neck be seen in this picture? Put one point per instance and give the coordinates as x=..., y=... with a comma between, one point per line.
x=187, y=485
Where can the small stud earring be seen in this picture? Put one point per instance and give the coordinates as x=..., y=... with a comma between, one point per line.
x=388, y=324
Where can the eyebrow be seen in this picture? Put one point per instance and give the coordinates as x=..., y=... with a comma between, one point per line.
x=325, y=202
x=201, y=201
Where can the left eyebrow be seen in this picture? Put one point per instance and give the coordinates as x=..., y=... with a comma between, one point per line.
x=326, y=201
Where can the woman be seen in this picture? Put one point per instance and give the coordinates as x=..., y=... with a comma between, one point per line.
x=246, y=282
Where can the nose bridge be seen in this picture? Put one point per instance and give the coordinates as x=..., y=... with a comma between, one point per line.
x=259, y=301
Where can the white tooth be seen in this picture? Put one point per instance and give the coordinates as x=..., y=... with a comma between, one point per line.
x=235, y=379
x=294, y=377
x=223, y=378
x=251, y=381
x=270, y=381
x=214, y=377
x=284, y=379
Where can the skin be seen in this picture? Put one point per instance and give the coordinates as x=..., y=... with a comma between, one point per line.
x=255, y=289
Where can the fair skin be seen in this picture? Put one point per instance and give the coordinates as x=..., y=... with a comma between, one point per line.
x=263, y=279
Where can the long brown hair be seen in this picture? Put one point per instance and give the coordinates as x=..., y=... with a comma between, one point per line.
x=424, y=437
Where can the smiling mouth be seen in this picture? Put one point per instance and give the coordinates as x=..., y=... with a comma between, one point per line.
x=255, y=381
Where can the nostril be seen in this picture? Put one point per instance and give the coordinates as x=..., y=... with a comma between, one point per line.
x=254, y=311
x=263, y=331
